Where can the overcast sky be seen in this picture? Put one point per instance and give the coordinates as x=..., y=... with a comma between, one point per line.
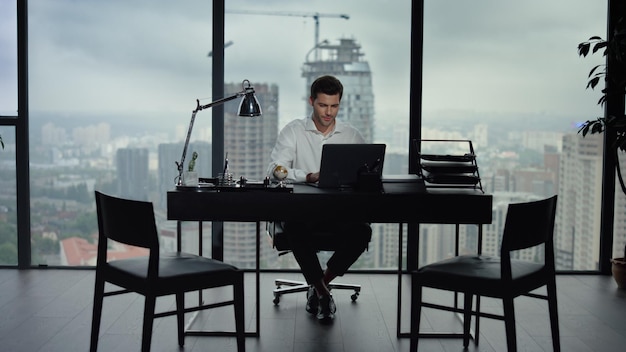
x=149, y=57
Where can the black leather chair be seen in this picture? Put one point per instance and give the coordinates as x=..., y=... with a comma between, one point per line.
x=280, y=242
x=156, y=274
x=527, y=225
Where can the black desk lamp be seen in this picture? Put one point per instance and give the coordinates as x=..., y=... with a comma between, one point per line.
x=249, y=106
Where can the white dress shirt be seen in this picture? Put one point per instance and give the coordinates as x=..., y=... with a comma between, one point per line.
x=299, y=146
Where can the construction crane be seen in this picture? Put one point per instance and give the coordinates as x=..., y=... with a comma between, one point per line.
x=226, y=45
x=315, y=15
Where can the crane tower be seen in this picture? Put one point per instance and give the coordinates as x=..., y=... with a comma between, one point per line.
x=315, y=15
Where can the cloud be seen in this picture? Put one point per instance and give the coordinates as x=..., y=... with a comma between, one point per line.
x=150, y=57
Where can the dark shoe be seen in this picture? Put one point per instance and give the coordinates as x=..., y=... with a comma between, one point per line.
x=312, y=302
x=326, y=308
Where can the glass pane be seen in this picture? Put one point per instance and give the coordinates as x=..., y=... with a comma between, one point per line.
x=112, y=87
x=8, y=198
x=619, y=222
x=8, y=107
x=8, y=58
x=282, y=49
x=110, y=106
x=507, y=76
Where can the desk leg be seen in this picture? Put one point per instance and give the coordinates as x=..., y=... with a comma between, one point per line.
x=200, y=254
x=399, y=304
x=179, y=231
x=258, y=279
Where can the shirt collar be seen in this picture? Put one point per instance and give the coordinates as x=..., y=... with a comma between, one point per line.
x=310, y=125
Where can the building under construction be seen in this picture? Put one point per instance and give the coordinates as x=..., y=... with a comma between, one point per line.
x=345, y=61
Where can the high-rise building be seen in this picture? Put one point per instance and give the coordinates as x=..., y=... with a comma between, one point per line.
x=248, y=141
x=132, y=173
x=578, y=212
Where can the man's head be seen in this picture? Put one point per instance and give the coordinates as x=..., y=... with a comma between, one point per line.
x=328, y=85
x=326, y=92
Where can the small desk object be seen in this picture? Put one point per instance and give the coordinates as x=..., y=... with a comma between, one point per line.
x=403, y=199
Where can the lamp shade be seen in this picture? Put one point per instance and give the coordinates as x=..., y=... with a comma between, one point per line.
x=249, y=106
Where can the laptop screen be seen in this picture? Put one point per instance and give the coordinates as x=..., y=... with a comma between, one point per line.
x=341, y=163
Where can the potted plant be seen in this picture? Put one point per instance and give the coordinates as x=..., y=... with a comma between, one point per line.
x=614, y=49
x=191, y=176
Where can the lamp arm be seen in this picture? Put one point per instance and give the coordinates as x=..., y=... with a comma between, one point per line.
x=218, y=102
x=179, y=165
x=247, y=89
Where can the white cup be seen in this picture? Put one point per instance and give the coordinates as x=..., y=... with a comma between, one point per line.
x=190, y=178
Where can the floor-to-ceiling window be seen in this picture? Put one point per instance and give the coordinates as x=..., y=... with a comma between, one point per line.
x=8, y=114
x=283, y=48
x=507, y=76
x=112, y=86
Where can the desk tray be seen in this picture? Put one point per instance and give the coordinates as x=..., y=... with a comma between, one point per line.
x=249, y=187
x=452, y=179
x=447, y=167
x=458, y=158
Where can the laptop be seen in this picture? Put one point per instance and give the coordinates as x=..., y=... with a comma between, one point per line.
x=341, y=163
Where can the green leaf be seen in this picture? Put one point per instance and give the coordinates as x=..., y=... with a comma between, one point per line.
x=599, y=46
x=593, y=82
x=192, y=163
x=583, y=49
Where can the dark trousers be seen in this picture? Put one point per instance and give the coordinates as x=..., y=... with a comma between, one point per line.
x=346, y=240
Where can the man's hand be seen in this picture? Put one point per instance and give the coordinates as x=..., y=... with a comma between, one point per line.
x=313, y=177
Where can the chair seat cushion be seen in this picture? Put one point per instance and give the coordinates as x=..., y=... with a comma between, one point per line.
x=480, y=275
x=177, y=267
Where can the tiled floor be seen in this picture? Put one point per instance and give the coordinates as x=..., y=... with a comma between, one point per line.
x=50, y=310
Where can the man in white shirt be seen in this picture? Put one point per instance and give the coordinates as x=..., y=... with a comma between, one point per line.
x=299, y=149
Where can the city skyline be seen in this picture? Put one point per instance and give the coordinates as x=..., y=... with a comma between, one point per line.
x=489, y=164
x=502, y=89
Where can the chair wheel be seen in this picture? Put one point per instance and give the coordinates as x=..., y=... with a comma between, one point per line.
x=276, y=300
x=354, y=296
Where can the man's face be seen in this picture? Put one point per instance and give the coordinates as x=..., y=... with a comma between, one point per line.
x=325, y=109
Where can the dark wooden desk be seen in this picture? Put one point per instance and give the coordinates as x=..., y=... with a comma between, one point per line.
x=401, y=202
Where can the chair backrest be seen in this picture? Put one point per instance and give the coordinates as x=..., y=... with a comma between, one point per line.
x=528, y=225
x=131, y=222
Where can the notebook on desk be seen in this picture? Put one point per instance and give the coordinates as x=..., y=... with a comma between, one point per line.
x=341, y=163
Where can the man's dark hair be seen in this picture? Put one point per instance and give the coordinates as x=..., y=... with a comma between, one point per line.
x=327, y=85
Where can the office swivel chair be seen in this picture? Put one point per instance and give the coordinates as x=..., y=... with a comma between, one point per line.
x=527, y=225
x=157, y=274
x=280, y=242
